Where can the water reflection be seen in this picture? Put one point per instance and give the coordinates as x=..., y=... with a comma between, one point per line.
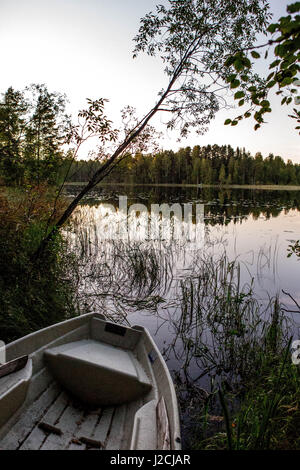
x=254, y=227
x=203, y=298
x=221, y=205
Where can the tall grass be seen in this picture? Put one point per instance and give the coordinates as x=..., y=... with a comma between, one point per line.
x=33, y=293
x=269, y=414
x=242, y=352
x=123, y=278
x=118, y=277
x=221, y=324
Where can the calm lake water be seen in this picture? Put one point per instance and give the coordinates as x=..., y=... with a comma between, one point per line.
x=136, y=260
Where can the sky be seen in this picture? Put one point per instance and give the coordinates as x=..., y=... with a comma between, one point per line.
x=84, y=48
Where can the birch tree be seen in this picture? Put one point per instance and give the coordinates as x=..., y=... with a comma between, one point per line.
x=192, y=38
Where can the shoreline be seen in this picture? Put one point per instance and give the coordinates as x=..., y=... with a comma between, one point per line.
x=269, y=187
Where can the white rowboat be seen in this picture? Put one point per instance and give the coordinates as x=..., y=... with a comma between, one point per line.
x=87, y=383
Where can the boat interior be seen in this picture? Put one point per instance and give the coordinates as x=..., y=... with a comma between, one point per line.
x=87, y=384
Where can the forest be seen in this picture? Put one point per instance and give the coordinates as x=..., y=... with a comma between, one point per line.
x=34, y=129
x=210, y=164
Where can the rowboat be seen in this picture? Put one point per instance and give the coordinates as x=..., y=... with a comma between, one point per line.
x=87, y=383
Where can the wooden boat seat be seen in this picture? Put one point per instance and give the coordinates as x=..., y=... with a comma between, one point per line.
x=98, y=373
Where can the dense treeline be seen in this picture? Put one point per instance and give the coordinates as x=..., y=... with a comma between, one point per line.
x=33, y=129
x=211, y=164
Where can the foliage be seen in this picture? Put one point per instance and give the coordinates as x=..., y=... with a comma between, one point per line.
x=193, y=38
x=32, y=295
x=282, y=71
x=33, y=129
x=45, y=133
x=12, y=121
x=294, y=248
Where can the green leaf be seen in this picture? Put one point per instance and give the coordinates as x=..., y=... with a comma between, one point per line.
x=257, y=126
x=284, y=65
x=229, y=61
x=241, y=102
x=238, y=65
x=247, y=62
x=293, y=8
x=228, y=121
x=258, y=116
x=280, y=50
x=255, y=54
x=235, y=83
x=234, y=123
x=272, y=28
x=275, y=63
x=286, y=81
x=230, y=77
x=238, y=95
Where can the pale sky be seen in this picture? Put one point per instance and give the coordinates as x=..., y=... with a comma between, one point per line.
x=84, y=48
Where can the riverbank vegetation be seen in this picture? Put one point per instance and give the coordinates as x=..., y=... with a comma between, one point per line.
x=34, y=128
x=33, y=293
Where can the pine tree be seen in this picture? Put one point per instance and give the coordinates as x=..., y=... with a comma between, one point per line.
x=12, y=119
x=222, y=175
x=45, y=134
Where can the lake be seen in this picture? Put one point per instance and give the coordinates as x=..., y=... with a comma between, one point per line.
x=156, y=256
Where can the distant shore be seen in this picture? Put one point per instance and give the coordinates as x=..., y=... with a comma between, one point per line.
x=270, y=187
